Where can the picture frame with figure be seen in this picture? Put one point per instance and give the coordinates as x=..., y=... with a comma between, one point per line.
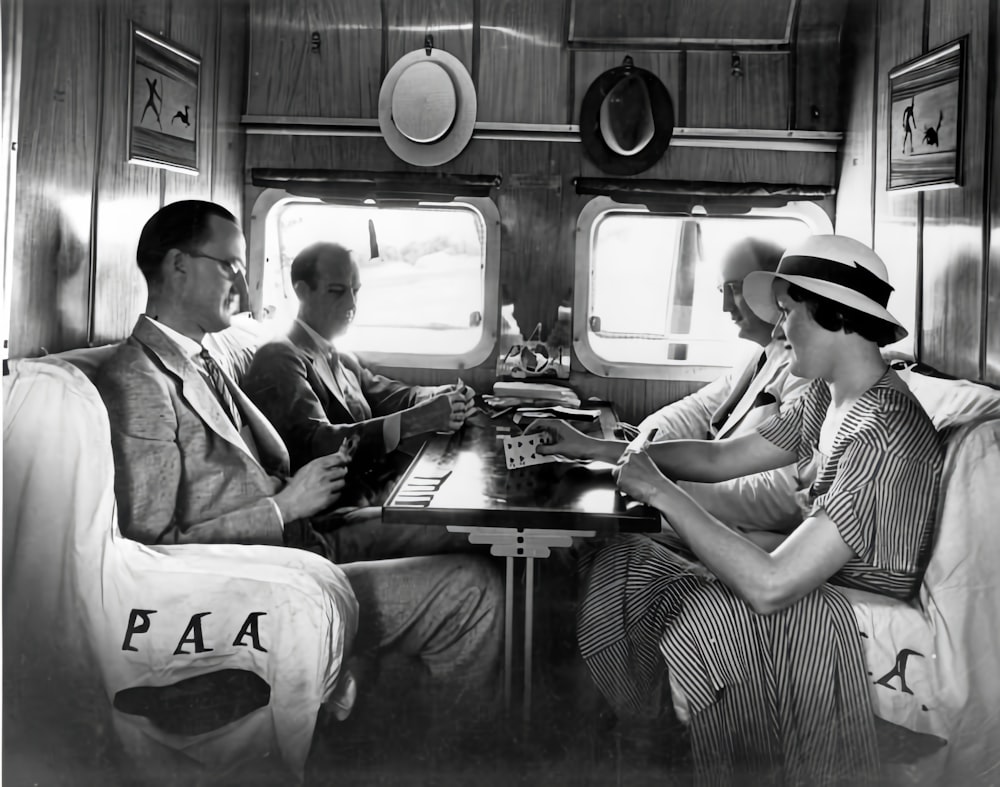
x=164, y=92
x=926, y=119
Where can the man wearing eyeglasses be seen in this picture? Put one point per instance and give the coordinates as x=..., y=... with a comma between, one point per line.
x=734, y=404
x=197, y=462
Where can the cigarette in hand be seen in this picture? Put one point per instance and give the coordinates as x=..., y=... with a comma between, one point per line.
x=641, y=442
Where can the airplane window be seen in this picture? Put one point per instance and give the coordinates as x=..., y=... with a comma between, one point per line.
x=648, y=285
x=428, y=275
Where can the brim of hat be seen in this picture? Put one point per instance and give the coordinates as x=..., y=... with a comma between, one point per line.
x=606, y=159
x=430, y=154
x=759, y=296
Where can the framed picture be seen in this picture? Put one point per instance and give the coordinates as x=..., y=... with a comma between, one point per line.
x=164, y=85
x=926, y=111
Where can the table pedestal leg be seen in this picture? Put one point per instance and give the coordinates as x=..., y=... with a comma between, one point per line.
x=529, y=596
x=508, y=634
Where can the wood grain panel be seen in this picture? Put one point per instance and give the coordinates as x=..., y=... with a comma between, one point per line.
x=714, y=98
x=818, y=68
x=58, y=143
x=730, y=165
x=229, y=140
x=954, y=257
x=588, y=65
x=896, y=230
x=694, y=21
x=855, y=205
x=127, y=194
x=287, y=77
x=524, y=64
x=991, y=373
x=193, y=26
x=448, y=21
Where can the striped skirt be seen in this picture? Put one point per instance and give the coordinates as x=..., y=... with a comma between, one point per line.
x=781, y=696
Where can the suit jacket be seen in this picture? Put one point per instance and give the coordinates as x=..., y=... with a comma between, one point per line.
x=183, y=474
x=762, y=501
x=290, y=380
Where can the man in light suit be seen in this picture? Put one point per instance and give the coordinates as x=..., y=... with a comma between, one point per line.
x=732, y=405
x=316, y=396
x=196, y=462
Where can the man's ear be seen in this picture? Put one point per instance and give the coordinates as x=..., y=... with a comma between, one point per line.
x=175, y=263
x=302, y=289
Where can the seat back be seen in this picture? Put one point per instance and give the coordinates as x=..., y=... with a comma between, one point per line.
x=89, y=614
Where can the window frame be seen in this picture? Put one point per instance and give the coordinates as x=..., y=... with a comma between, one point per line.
x=813, y=214
x=262, y=245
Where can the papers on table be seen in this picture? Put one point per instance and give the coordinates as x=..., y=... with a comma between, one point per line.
x=526, y=393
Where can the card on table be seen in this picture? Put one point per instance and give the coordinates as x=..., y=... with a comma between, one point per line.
x=521, y=451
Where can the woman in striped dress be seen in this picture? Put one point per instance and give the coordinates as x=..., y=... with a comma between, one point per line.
x=764, y=651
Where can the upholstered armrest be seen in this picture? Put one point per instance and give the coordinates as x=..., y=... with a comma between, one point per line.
x=89, y=613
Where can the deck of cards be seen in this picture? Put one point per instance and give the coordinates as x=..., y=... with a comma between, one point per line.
x=522, y=451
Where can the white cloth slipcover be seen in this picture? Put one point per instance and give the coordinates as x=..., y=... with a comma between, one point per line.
x=71, y=583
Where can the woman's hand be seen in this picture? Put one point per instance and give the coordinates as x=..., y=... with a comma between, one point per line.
x=638, y=477
x=566, y=441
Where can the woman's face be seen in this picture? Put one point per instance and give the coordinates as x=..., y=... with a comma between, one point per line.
x=808, y=340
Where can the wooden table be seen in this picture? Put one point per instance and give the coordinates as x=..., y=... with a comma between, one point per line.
x=461, y=481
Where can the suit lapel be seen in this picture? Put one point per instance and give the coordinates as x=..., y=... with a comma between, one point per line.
x=194, y=388
x=317, y=357
x=744, y=393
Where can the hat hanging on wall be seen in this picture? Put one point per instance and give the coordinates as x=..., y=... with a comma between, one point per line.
x=427, y=106
x=626, y=119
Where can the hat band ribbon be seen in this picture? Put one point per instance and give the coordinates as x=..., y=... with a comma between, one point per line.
x=856, y=278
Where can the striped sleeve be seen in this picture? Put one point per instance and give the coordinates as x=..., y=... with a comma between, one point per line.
x=797, y=426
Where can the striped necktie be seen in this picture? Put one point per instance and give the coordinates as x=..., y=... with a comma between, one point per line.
x=347, y=390
x=218, y=379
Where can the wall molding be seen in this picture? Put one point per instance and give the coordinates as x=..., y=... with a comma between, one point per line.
x=733, y=138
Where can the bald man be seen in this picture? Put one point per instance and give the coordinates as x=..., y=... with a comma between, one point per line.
x=738, y=402
x=316, y=395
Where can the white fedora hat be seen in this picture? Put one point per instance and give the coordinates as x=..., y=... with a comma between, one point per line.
x=427, y=107
x=836, y=267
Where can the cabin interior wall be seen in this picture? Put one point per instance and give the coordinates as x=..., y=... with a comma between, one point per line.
x=79, y=204
x=525, y=72
x=940, y=245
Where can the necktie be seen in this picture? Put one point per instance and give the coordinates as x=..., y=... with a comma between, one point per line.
x=721, y=417
x=357, y=410
x=218, y=380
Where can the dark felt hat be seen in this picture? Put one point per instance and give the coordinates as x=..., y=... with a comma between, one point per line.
x=626, y=119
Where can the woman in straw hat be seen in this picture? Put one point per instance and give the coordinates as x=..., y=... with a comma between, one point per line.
x=762, y=649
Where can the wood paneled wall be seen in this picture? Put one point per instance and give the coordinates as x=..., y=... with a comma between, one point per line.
x=526, y=73
x=80, y=205
x=941, y=246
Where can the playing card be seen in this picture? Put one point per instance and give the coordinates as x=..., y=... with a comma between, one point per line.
x=521, y=451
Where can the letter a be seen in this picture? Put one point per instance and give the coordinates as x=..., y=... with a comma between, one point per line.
x=196, y=639
x=134, y=616
x=899, y=671
x=250, y=628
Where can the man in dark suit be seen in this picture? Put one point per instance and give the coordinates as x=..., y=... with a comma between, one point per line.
x=196, y=462
x=316, y=395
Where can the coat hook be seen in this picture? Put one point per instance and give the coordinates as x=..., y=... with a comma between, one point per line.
x=736, y=65
x=428, y=44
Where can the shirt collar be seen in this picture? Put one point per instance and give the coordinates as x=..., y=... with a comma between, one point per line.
x=324, y=344
x=188, y=346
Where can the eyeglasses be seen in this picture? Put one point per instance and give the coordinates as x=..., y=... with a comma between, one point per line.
x=235, y=267
x=732, y=288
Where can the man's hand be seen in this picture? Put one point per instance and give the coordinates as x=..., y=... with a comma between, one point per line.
x=566, y=441
x=639, y=478
x=314, y=487
x=445, y=412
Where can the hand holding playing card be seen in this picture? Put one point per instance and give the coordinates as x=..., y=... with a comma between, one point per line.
x=522, y=451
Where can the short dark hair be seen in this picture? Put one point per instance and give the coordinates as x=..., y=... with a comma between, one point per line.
x=835, y=316
x=304, y=264
x=178, y=225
